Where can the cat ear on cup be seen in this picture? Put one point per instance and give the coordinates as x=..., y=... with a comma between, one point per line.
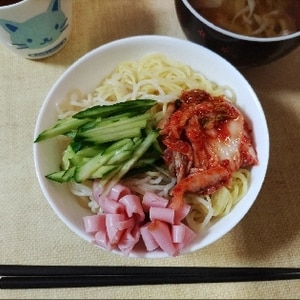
x=9, y=26
x=54, y=5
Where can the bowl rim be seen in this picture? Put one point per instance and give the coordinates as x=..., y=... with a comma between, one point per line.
x=164, y=40
x=245, y=38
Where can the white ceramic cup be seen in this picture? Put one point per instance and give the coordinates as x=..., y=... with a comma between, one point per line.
x=35, y=29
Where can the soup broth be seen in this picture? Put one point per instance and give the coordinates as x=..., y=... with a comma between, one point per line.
x=8, y=2
x=260, y=18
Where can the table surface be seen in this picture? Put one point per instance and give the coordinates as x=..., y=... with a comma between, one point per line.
x=31, y=233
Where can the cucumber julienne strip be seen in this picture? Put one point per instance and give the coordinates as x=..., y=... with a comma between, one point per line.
x=121, y=129
x=77, y=121
x=64, y=126
x=108, y=183
x=100, y=122
x=84, y=172
x=62, y=176
x=106, y=142
x=103, y=171
x=119, y=157
x=140, y=120
x=140, y=105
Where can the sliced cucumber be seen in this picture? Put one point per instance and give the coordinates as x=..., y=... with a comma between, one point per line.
x=126, y=128
x=106, y=142
x=62, y=176
x=139, y=106
x=62, y=127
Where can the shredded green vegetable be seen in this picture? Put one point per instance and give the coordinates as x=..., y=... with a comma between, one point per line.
x=105, y=143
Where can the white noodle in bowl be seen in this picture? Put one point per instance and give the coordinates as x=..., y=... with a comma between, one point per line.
x=86, y=74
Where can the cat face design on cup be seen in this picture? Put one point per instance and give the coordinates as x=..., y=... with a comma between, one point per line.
x=41, y=35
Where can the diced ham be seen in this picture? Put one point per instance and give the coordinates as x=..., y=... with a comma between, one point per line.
x=148, y=238
x=130, y=237
x=121, y=222
x=132, y=204
x=162, y=235
x=189, y=235
x=150, y=199
x=94, y=223
x=181, y=213
x=178, y=232
x=161, y=213
x=113, y=232
x=118, y=191
x=111, y=206
x=128, y=223
x=101, y=239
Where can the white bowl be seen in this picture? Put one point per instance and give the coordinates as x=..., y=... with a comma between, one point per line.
x=86, y=74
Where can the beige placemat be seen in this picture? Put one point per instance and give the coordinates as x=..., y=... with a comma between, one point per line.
x=32, y=234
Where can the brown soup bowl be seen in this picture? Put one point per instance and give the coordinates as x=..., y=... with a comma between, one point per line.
x=241, y=50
